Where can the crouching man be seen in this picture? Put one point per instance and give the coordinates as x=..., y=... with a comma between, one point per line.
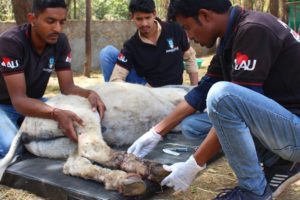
x=252, y=95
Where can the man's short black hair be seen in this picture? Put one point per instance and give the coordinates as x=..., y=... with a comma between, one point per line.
x=146, y=6
x=39, y=6
x=190, y=8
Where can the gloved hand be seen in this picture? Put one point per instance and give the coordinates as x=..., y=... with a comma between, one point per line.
x=182, y=174
x=142, y=146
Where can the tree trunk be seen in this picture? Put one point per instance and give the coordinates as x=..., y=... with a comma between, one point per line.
x=283, y=11
x=75, y=10
x=165, y=5
x=88, y=41
x=259, y=5
x=248, y=4
x=21, y=8
x=68, y=2
x=274, y=8
x=266, y=7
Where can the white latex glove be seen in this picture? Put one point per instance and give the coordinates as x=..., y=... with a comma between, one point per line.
x=182, y=174
x=146, y=143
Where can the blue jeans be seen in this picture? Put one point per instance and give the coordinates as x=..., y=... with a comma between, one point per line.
x=240, y=115
x=8, y=127
x=108, y=58
x=196, y=126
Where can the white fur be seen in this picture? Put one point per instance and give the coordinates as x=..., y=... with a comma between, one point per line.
x=131, y=111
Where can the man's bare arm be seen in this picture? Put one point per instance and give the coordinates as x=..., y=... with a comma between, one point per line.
x=191, y=66
x=208, y=148
x=16, y=86
x=119, y=74
x=182, y=110
x=194, y=78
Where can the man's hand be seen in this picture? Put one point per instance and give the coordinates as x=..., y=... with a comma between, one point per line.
x=183, y=173
x=67, y=121
x=142, y=146
x=96, y=103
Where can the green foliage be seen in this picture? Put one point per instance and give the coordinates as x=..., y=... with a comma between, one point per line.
x=101, y=9
x=107, y=9
x=118, y=9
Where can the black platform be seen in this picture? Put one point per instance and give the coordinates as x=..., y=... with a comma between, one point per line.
x=45, y=178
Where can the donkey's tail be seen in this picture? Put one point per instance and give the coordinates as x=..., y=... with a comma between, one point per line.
x=9, y=158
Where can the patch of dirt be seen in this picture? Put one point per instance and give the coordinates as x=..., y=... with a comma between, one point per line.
x=217, y=176
x=7, y=193
x=206, y=186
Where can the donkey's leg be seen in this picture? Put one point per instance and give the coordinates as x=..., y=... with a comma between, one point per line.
x=130, y=163
x=90, y=141
x=92, y=146
x=127, y=184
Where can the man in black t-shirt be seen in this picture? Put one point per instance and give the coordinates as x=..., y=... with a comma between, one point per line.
x=28, y=55
x=252, y=96
x=154, y=55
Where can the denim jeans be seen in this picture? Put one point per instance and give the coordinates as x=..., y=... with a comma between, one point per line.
x=196, y=126
x=108, y=58
x=239, y=115
x=8, y=127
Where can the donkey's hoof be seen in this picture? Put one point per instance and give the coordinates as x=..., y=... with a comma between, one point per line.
x=133, y=185
x=157, y=173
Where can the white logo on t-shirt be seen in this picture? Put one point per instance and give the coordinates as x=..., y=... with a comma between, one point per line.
x=69, y=58
x=242, y=62
x=7, y=62
x=50, y=65
x=294, y=33
x=172, y=46
x=122, y=58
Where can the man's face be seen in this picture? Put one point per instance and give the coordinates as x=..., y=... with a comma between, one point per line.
x=48, y=24
x=144, y=22
x=202, y=32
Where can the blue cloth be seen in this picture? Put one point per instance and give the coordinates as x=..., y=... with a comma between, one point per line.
x=196, y=126
x=239, y=115
x=9, y=119
x=8, y=127
x=108, y=58
x=197, y=97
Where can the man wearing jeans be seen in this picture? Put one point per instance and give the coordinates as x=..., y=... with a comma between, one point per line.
x=29, y=53
x=252, y=95
x=154, y=55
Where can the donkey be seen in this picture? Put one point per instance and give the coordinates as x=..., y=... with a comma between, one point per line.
x=131, y=110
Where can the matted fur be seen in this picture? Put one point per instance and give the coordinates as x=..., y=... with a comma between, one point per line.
x=131, y=110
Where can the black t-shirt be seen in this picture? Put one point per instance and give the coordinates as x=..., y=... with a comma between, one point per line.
x=262, y=51
x=161, y=64
x=17, y=55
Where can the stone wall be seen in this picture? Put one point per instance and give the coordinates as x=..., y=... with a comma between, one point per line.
x=103, y=33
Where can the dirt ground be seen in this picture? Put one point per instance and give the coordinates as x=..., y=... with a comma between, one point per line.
x=206, y=186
